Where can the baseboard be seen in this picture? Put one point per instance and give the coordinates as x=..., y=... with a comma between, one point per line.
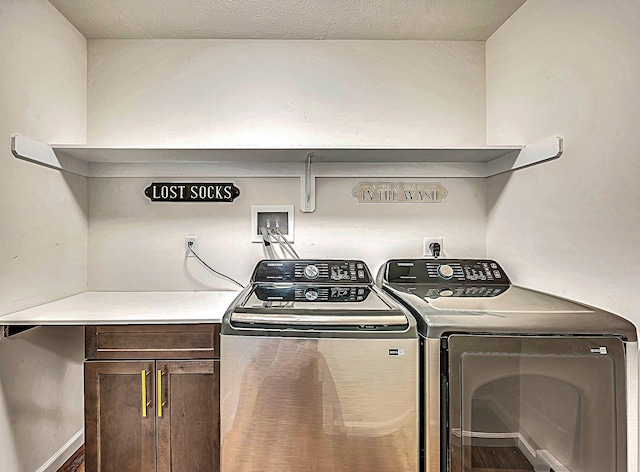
x=64, y=453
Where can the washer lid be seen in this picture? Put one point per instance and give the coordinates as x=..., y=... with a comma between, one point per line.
x=320, y=306
x=315, y=297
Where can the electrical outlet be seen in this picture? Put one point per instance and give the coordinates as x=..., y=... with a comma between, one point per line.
x=271, y=217
x=428, y=241
x=194, y=245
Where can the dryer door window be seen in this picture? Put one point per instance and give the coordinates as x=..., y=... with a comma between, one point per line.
x=536, y=404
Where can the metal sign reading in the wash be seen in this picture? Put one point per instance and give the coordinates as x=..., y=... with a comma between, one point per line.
x=399, y=192
x=191, y=192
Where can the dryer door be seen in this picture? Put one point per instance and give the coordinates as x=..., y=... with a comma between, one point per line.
x=537, y=403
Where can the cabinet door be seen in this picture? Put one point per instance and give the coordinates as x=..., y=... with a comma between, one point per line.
x=119, y=416
x=188, y=422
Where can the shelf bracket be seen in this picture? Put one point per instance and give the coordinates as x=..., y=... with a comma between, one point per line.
x=34, y=151
x=541, y=151
x=308, y=187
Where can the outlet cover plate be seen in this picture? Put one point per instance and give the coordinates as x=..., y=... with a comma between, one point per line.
x=194, y=246
x=428, y=240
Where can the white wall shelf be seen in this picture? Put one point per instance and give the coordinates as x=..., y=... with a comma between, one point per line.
x=306, y=163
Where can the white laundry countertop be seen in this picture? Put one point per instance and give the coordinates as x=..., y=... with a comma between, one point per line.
x=93, y=308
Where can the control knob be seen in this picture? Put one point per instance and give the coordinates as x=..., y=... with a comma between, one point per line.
x=445, y=271
x=445, y=292
x=311, y=294
x=311, y=271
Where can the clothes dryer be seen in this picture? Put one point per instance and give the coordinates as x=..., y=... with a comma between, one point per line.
x=514, y=378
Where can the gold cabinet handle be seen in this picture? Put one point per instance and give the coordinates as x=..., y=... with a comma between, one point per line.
x=145, y=401
x=159, y=388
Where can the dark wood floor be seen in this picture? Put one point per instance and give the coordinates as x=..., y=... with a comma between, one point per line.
x=483, y=459
x=492, y=459
x=75, y=462
x=499, y=459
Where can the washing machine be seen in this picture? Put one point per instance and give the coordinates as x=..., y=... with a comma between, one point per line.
x=319, y=373
x=513, y=378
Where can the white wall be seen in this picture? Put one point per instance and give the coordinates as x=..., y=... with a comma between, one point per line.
x=571, y=226
x=43, y=231
x=277, y=93
x=286, y=93
x=136, y=244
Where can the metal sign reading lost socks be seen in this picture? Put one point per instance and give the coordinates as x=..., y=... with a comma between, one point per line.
x=191, y=192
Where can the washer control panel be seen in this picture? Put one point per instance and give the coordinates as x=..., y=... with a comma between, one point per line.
x=318, y=271
x=448, y=277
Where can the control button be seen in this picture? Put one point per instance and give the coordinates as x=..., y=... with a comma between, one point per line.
x=311, y=272
x=445, y=292
x=360, y=266
x=361, y=274
x=311, y=294
x=445, y=271
x=497, y=274
x=494, y=265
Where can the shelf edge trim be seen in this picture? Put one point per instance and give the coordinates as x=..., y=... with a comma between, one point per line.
x=36, y=152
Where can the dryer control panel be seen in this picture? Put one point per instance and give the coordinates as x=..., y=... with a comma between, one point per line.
x=456, y=271
x=318, y=271
x=448, y=277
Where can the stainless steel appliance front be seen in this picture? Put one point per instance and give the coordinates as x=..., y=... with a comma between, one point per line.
x=543, y=403
x=319, y=373
x=293, y=404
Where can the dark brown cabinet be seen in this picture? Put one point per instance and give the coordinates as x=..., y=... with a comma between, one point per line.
x=188, y=430
x=118, y=434
x=157, y=414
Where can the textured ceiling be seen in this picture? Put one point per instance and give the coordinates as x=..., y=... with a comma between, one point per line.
x=464, y=20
